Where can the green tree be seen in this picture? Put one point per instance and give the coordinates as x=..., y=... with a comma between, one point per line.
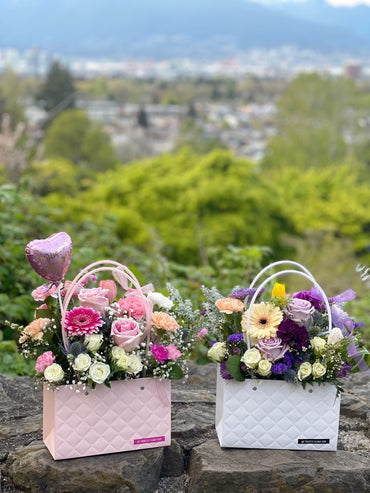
x=74, y=137
x=314, y=115
x=11, y=97
x=57, y=92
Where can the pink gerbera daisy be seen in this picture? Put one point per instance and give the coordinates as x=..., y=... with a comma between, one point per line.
x=82, y=321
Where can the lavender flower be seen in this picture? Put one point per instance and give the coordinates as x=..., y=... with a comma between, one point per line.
x=293, y=334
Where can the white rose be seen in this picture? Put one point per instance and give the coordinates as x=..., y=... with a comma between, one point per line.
x=217, y=352
x=93, y=342
x=82, y=362
x=318, y=370
x=304, y=371
x=335, y=335
x=123, y=362
x=251, y=358
x=318, y=344
x=135, y=365
x=118, y=352
x=54, y=373
x=99, y=372
x=264, y=368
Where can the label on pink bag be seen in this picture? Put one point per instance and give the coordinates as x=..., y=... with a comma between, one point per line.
x=139, y=441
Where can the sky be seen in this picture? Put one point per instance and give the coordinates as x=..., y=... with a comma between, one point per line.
x=335, y=3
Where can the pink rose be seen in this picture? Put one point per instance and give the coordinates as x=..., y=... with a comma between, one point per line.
x=43, y=361
x=301, y=310
x=111, y=289
x=77, y=288
x=201, y=333
x=173, y=352
x=273, y=348
x=43, y=292
x=126, y=333
x=93, y=298
x=134, y=306
x=160, y=353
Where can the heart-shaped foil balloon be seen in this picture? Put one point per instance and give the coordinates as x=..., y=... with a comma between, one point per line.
x=50, y=257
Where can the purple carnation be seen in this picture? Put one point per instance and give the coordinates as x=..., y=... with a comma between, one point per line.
x=243, y=293
x=234, y=338
x=224, y=373
x=293, y=334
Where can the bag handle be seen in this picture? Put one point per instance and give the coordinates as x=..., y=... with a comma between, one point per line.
x=280, y=262
x=123, y=275
x=280, y=273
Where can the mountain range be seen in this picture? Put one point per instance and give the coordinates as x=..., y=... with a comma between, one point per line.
x=176, y=28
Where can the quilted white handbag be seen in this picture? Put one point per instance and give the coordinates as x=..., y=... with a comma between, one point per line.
x=274, y=414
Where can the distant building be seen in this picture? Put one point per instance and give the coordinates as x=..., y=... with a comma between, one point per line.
x=353, y=70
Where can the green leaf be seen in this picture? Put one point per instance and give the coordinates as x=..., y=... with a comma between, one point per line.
x=233, y=367
x=176, y=373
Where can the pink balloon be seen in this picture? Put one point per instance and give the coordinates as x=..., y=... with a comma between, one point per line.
x=50, y=257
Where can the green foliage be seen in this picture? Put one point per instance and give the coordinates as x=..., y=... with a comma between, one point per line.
x=74, y=137
x=186, y=203
x=314, y=115
x=53, y=176
x=11, y=362
x=11, y=97
x=57, y=89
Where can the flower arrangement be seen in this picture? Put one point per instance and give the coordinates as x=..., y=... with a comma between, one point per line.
x=285, y=337
x=106, y=336
x=110, y=330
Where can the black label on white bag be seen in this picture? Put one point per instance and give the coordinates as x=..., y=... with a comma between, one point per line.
x=313, y=440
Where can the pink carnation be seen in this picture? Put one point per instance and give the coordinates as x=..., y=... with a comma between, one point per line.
x=82, y=321
x=43, y=361
x=160, y=353
x=201, y=333
x=44, y=291
x=134, y=306
x=173, y=352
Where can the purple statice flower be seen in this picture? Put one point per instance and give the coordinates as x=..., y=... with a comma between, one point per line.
x=245, y=293
x=285, y=364
x=344, y=370
x=234, y=338
x=279, y=368
x=293, y=334
x=224, y=373
x=203, y=311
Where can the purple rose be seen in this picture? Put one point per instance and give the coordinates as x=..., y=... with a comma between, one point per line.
x=272, y=349
x=301, y=310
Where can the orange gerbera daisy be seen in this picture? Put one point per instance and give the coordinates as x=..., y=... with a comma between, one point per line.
x=34, y=330
x=264, y=321
x=229, y=305
x=164, y=321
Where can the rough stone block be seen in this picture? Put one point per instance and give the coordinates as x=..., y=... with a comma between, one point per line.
x=33, y=469
x=273, y=471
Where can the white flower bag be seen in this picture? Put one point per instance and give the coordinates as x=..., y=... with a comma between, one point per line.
x=274, y=414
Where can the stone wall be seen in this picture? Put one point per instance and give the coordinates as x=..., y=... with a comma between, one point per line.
x=194, y=463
